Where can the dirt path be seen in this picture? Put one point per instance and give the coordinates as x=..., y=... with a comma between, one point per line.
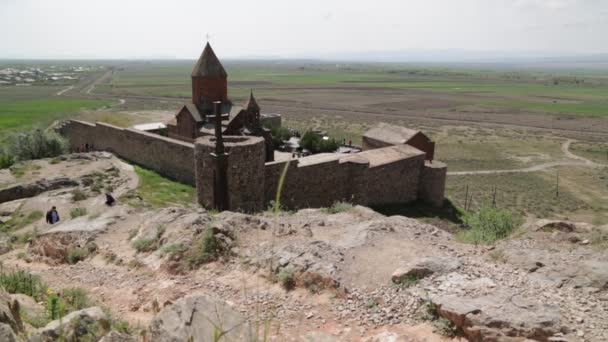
x=63, y=91
x=578, y=161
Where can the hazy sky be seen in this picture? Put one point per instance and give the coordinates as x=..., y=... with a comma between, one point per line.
x=296, y=28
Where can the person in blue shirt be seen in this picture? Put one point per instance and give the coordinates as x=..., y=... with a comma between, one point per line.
x=52, y=216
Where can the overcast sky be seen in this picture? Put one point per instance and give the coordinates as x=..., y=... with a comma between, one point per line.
x=296, y=28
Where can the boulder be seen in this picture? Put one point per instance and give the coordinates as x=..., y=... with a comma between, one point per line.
x=6, y=333
x=319, y=336
x=91, y=323
x=5, y=244
x=500, y=317
x=419, y=268
x=199, y=318
x=9, y=312
x=114, y=336
x=28, y=305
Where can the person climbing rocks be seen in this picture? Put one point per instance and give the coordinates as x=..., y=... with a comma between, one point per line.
x=110, y=201
x=52, y=216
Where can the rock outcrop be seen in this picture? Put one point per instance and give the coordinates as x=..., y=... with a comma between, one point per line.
x=199, y=318
x=500, y=317
x=34, y=189
x=423, y=267
x=91, y=323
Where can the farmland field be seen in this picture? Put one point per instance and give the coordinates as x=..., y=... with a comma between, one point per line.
x=483, y=118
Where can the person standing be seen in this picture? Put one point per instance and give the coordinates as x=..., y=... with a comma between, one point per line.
x=52, y=216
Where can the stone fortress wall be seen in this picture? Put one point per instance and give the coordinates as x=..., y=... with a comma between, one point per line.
x=168, y=157
x=392, y=174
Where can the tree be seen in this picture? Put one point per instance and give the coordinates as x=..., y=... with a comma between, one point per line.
x=279, y=135
x=315, y=144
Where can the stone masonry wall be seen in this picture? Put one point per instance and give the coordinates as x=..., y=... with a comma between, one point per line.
x=169, y=157
x=432, y=183
x=395, y=182
x=246, y=156
x=317, y=185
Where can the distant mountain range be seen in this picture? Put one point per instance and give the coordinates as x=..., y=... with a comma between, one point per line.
x=454, y=56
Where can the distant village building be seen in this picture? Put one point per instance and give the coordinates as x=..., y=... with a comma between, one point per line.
x=210, y=84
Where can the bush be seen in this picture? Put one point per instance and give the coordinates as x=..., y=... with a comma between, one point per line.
x=315, y=144
x=148, y=245
x=338, y=207
x=37, y=144
x=279, y=134
x=286, y=279
x=77, y=254
x=77, y=212
x=75, y=299
x=78, y=195
x=145, y=245
x=23, y=282
x=209, y=249
x=489, y=224
x=6, y=160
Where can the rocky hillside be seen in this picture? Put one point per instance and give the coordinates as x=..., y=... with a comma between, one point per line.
x=337, y=274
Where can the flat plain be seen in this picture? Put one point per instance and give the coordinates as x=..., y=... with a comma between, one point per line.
x=483, y=118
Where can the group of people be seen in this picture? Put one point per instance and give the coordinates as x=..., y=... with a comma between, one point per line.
x=52, y=216
x=85, y=148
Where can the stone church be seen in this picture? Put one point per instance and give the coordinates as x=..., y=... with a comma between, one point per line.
x=197, y=118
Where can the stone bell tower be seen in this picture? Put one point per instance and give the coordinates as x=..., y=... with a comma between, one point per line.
x=209, y=81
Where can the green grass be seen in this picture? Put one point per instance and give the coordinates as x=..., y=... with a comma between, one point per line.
x=77, y=212
x=489, y=225
x=77, y=254
x=20, y=220
x=597, y=152
x=21, y=114
x=160, y=192
x=526, y=193
x=23, y=282
x=338, y=207
x=142, y=245
x=529, y=90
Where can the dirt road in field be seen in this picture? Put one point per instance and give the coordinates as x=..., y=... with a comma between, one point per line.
x=577, y=161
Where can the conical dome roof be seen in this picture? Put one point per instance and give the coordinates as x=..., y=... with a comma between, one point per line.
x=252, y=104
x=209, y=65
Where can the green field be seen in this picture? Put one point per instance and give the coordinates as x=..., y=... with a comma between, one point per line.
x=545, y=92
x=37, y=106
x=20, y=114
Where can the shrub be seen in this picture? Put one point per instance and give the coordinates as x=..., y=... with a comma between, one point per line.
x=20, y=220
x=489, y=225
x=407, y=281
x=152, y=244
x=145, y=245
x=75, y=299
x=175, y=249
x=209, y=249
x=78, y=195
x=77, y=212
x=77, y=254
x=23, y=282
x=37, y=144
x=279, y=134
x=6, y=160
x=338, y=207
x=315, y=144
x=286, y=279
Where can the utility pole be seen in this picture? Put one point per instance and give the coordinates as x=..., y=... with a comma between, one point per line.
x=557, y=184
